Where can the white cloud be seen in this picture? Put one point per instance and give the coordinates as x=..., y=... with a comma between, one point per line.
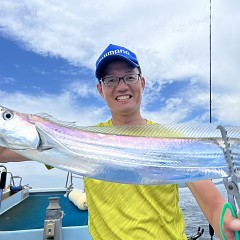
x=62, y=107
x=170, y=37
x=79, y=31
x=83, y=89
x=227, y=108
x=7, y=80
x=168, y=114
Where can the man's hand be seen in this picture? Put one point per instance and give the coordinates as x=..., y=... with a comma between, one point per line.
x=230, y=226
x=9, y=156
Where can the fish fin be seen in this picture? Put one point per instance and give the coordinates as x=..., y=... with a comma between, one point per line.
x=47, y=141
x=55, y=120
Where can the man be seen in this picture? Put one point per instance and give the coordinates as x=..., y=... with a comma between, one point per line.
x=122, y=211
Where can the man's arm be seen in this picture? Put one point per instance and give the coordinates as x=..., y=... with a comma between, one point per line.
x=211, y=202
x=9, y=156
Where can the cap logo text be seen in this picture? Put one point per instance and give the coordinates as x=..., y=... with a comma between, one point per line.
x=115, y=52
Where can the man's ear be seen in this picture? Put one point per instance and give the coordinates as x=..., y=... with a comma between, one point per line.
x=99, y=88
x=143, y=83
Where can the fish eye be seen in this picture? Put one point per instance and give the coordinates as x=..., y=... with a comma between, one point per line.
x=8, y=115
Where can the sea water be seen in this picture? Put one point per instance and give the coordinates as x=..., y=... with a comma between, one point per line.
x=193, y=215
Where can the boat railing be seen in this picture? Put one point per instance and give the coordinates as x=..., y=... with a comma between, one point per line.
x=69, y=182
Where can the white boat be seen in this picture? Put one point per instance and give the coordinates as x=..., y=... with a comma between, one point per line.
x=37, y=214
x=45, y=213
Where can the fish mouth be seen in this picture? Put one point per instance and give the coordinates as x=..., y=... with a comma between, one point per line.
x=5, y=144
x=122, y=98
x=12, y=146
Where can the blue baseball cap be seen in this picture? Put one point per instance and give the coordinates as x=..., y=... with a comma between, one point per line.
x=114, y=52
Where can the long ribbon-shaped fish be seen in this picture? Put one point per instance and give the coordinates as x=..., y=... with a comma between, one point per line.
x=149, y=154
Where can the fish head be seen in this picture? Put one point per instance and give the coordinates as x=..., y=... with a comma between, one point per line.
x=17, y=131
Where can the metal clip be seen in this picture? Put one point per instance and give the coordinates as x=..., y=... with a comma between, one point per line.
x=230, y=183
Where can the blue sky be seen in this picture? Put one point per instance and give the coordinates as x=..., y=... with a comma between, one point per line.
x=48, y=51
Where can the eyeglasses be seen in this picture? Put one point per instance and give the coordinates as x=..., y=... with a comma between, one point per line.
x=114, y=81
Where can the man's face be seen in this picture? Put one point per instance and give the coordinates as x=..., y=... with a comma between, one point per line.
x=124, y=99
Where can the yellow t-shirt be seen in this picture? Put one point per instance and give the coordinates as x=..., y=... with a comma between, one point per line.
x=133, y=212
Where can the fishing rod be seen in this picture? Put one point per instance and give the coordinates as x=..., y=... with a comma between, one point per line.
x=231, y=186
x=211, y=230
x=210, y=61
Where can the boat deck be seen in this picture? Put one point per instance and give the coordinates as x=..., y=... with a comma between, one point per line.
x=30, y=213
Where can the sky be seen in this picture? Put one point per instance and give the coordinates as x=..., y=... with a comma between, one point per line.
x=48, y=50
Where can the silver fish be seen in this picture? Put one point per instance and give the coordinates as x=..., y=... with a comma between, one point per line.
x=148, y=155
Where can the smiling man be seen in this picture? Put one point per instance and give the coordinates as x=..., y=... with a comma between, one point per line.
x=121, y=211
x=123, y=94
x=127, y=212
